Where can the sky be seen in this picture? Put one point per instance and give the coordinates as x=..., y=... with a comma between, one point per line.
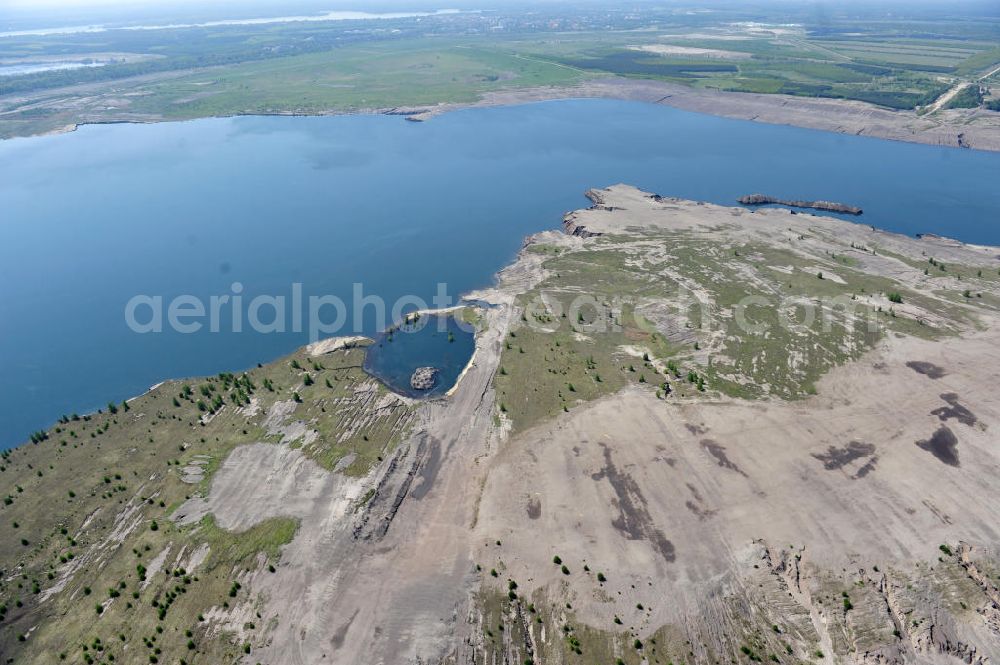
x=19, y=11
x=85, y=4
x=48, y=5
x=76, y=4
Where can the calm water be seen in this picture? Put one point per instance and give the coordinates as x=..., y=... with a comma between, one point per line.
x=90, y=219
x=433, y=341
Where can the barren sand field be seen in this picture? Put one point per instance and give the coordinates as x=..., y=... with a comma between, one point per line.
x=694, y=51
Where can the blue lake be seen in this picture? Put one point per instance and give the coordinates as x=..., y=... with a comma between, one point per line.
x=88, y=220
x=440, y=342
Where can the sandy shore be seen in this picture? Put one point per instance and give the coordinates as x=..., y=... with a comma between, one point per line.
x=331, y=344
x=961, y=128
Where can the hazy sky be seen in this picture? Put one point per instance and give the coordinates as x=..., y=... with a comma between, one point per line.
x=86, y=4
x=82, y=4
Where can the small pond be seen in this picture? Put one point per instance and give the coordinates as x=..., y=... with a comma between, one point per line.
x=437, y=341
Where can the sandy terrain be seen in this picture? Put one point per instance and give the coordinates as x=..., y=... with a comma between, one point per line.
x=331, y=344
x=693, y=51
x=669, y=498
x=621, y=207
x=683, y=504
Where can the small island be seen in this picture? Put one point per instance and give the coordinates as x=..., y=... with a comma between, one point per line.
x=423, y=378
x=828, y=206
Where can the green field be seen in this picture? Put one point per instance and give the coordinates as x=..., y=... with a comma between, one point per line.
x=371, y=77
x=320, y=68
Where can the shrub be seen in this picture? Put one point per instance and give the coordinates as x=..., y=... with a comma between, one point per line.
x=896, y=298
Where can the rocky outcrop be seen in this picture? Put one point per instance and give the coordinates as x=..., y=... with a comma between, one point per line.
x=572, y=227
x=424, y=378
x=828, y=206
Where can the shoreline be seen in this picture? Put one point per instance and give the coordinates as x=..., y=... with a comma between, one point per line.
x=954, y=128
x=945, y=245
x=970, y=129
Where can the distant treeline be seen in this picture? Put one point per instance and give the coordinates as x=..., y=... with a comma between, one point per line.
x=894, y=99
x=627, y=62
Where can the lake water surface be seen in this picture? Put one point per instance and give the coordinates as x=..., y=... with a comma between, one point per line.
x=90, y=219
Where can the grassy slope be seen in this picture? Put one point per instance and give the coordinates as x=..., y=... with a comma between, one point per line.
x=93, y=501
